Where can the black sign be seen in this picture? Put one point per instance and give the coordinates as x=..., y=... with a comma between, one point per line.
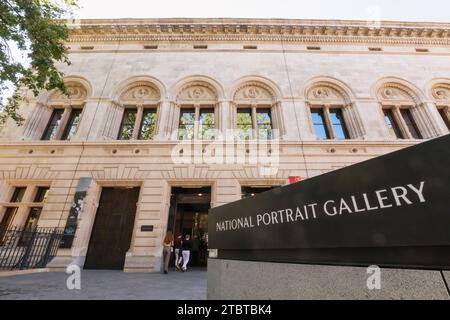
x=392, y=210
x=74, y=214
x=146, y=228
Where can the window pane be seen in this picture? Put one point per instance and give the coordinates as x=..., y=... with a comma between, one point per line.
x=244, y=123
x=319, y=124
x=72, y=125
x=41, y=194
x=264, y=124
x=53, y=125
x=445, y=118
x=6, y=223
x=337, y=121
x=392, y=124
x=127, y=126
x=186, y=126
x=18, y=194
x=148, y=124
x=207, y=124
x=30, y=226
x=409, y=121
x=33, y=218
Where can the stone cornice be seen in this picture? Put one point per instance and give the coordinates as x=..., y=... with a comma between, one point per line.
x=262, y=30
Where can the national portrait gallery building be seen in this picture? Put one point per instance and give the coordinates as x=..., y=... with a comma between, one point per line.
x=164, y=119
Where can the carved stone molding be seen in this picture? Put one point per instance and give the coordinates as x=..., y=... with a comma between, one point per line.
x=394, y=92
x=259, y=30
x=324, y=91
x=254, y=92
x=75, y=93
x=441, y=92
x=197, y=91
x=140, y=92
x=28, y=172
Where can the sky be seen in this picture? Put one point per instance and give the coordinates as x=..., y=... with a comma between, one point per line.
x=403, y=10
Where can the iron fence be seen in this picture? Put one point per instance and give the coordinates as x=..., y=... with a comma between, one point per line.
x=28, y=248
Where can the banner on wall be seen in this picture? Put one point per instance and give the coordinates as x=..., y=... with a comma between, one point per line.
x=75, y=211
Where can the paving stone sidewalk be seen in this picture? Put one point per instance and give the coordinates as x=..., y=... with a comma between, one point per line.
x=106, y=285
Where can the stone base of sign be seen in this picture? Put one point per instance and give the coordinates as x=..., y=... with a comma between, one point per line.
x=244, y=280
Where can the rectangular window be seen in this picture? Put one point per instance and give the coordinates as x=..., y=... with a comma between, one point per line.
x=207, y=124
x=244, y=123
x=445, y=118
x=410, y=123
x=186, y=125
x=53, y=125
x=127, y=125
x=6, y=222
x=392, y=123
x=41, y=194
x=148, y=125
x=72, y=124
x=18, y=194
x=264, y=124
x=338, y=124
x=319, y=125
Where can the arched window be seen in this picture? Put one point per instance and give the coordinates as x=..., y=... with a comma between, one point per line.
x=66, y=113
x=403, y=112
x=197, y=111
x=333, y=116
x=256, y=111
x=140, y=103
x=441, y=94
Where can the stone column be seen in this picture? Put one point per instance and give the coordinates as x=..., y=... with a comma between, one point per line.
x=164, y=112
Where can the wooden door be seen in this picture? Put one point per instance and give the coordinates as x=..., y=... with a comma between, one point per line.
x=113, y=229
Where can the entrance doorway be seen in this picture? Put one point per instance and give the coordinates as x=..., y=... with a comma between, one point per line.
x=113, y=229
x=189, y=215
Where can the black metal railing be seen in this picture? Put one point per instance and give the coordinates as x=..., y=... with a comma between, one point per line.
x=28, y=248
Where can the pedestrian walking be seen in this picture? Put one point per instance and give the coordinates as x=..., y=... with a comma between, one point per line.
x=178, y=254
x=167, y=250
x=186, y=251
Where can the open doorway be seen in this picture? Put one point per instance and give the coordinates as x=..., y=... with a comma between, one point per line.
x=189, y=215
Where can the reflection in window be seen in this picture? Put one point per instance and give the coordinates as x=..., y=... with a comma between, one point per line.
x=244, y=123
x=72, y=124
x=148, y=125
x=207, y=124
x=264, y=124
x=392, y=123
x=186, y=125
x=320, y=127
x=18, y=194
x=41, y=194
x=127, y=126
x=338, y=124
x=53, y=125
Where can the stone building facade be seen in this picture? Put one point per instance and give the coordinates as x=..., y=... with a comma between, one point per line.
x=330, y=94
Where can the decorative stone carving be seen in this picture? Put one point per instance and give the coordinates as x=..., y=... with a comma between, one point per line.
x=326, y=92
x=254, y=92
x=302, y=31
x=140, y=92
x=441, y=92
x=74, y=92
x=397, y=92
x=197, y=91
